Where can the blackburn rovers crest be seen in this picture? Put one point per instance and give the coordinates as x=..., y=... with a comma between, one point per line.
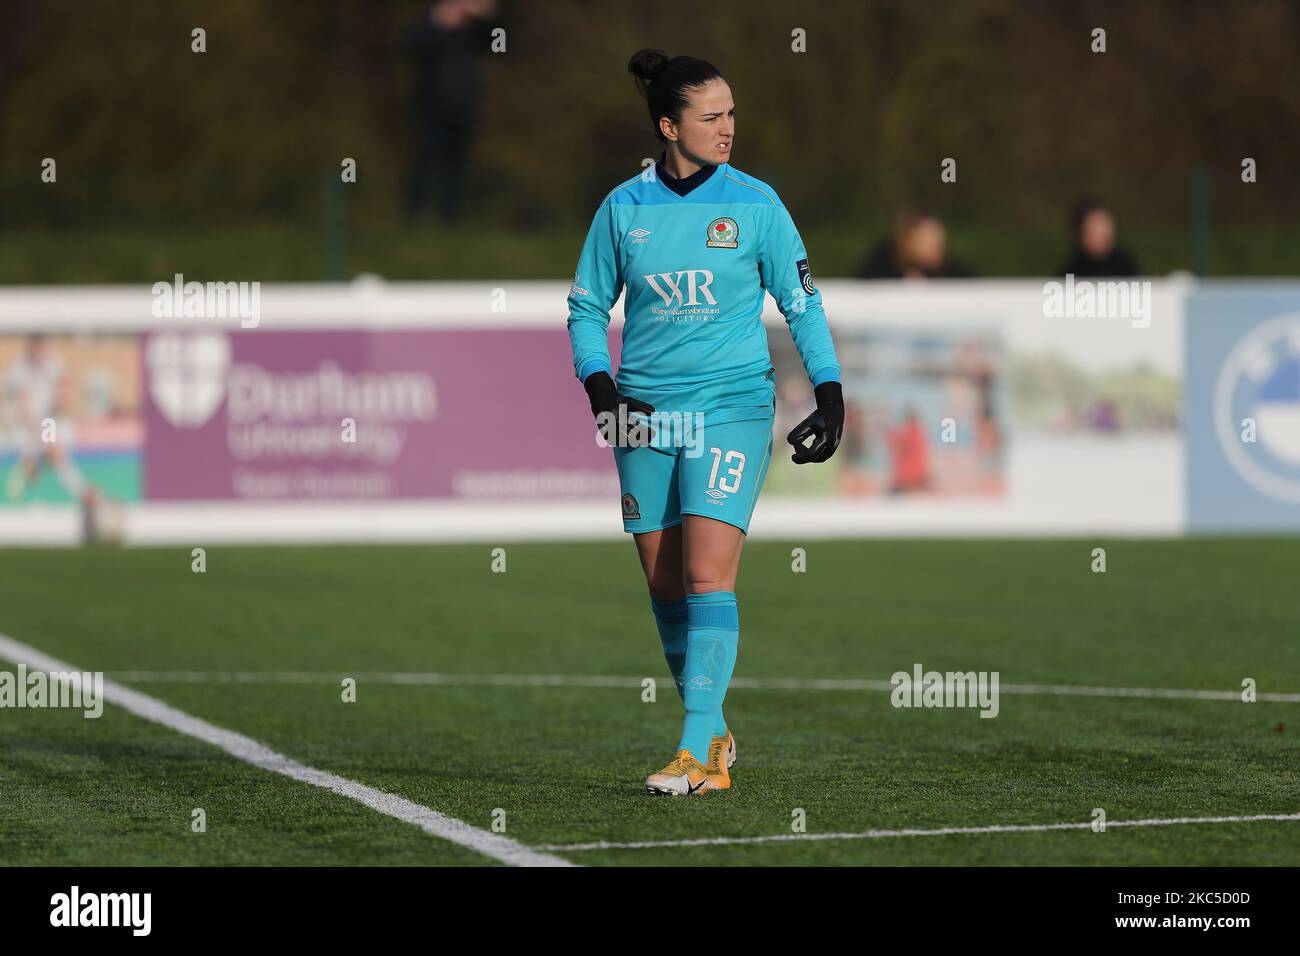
x=723, y=233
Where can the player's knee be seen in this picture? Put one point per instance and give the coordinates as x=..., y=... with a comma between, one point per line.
x=663, y=577
x=666, y=590
x=702, y=580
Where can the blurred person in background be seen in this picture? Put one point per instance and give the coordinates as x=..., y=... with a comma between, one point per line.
x=917, y=250
x=34, y=387
x=978, y=364
x=1096, y=253
x=910, y=455
x=445, y=44
x=855, y=446
x=1103, y=416
x=853, y=476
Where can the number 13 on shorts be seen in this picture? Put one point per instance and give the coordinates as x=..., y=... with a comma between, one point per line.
x=735, y=472
x=724, y=482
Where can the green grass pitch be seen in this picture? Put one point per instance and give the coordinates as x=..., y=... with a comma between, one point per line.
x=565, y=763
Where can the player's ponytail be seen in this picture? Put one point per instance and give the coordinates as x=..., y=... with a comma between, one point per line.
x=667, y=83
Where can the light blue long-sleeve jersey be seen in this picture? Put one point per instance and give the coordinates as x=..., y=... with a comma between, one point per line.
x=695, y=268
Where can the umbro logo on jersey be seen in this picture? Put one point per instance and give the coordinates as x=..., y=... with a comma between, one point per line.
x=683, y=287
x=639, y=235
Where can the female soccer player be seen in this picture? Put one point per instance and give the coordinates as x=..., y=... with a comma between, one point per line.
x=695, y=243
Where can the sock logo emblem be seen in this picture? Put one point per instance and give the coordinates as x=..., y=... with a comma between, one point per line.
x=708, y=654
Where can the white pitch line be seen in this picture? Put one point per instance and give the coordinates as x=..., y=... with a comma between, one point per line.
x=740, y=683
x=259, y=755
x=884, y=834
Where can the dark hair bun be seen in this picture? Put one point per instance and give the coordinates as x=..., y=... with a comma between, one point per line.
x=667, y=84
x=647, y=65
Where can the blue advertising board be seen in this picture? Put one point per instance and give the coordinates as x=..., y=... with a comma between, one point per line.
x=1242, y=407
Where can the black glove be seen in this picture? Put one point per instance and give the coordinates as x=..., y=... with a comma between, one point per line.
x=617, y=426
x=824, y=426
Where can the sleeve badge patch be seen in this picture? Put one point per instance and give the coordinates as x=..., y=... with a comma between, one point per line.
x=805, y=276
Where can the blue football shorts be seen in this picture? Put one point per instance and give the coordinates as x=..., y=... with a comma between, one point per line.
x=719, y=476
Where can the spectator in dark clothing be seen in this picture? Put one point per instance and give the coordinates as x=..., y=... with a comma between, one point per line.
x=445, y=44
x=1095, y=252
x=918, y=250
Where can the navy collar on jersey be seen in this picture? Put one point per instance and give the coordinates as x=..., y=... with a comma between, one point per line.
x=683, y=186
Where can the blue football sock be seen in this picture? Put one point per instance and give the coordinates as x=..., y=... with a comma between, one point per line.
x=713, y=633
x=670, y=616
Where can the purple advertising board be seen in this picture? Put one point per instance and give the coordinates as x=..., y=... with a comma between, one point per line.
x=311, y=415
